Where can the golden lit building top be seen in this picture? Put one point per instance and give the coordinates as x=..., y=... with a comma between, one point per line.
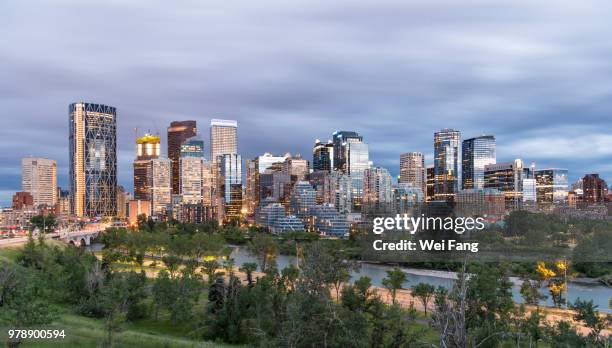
x=148, y=147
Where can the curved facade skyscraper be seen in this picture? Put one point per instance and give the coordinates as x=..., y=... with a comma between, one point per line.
x=93, y=159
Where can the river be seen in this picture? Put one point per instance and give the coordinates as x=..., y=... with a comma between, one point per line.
x=599, y=293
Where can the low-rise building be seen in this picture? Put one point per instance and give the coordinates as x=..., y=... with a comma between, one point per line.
x=328, y=222
x=287, y=223
x=267, y=214
x=487, y=203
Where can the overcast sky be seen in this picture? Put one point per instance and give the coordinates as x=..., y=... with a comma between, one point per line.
x=536, y=74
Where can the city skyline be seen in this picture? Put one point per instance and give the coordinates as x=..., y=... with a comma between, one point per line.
x=542, y=92
x=128, y=183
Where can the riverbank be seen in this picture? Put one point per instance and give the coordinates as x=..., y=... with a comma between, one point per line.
x=550, y=315
x=583, y=288
x=404, y=298
x=453, y=275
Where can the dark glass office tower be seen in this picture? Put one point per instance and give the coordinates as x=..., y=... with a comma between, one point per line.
x=93, y=159
x=595, y=188
x=447, y=164
x=476, y=153
x=323, y=156
x=178, y=132
x=431, y=183
x=551, y=186
x=507, y=178
x=341, y=154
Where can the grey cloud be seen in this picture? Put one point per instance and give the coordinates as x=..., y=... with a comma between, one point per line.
x=531, y=73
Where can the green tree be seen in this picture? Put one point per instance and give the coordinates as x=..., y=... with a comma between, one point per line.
x=187, y=289
x=564, y=335
x=32, y=255
x=162, y=292
x=340, y=272
x=216, y=295
x=172, y=263
x=209, y=268
x=265, y=249
x=530, y=326
x=206, y=244
x=234, y=235
x=289, y=276
x=530, y=291
x=358, y=296
x=114, y=300
x=393, y=281
x=141, y=221
x=229, y=264
x=424, y=292
x=44, y=223
x=248, y=268
x=23, y=299
x=592, y=252
x=489, y=304
x=587, y=313
x=449, y=316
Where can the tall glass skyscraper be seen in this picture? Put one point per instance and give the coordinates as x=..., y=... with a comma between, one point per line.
x=340, y=142
x=447, y=164
x=230, y=175
x=191, y=170
x=178, y=132
x=351, y=156
x=476, y=153
x=223, y=138
x=93, y=159
x=160, y=185
x=529, y=186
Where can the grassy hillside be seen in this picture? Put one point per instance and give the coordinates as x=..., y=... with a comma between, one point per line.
x=88, y=332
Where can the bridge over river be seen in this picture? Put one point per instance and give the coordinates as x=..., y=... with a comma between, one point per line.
x=82, y=237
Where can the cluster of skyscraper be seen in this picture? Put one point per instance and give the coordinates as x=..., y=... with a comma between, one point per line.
x=186, y=186
x=281, y=192
x=467, y=171
x=320, y=200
